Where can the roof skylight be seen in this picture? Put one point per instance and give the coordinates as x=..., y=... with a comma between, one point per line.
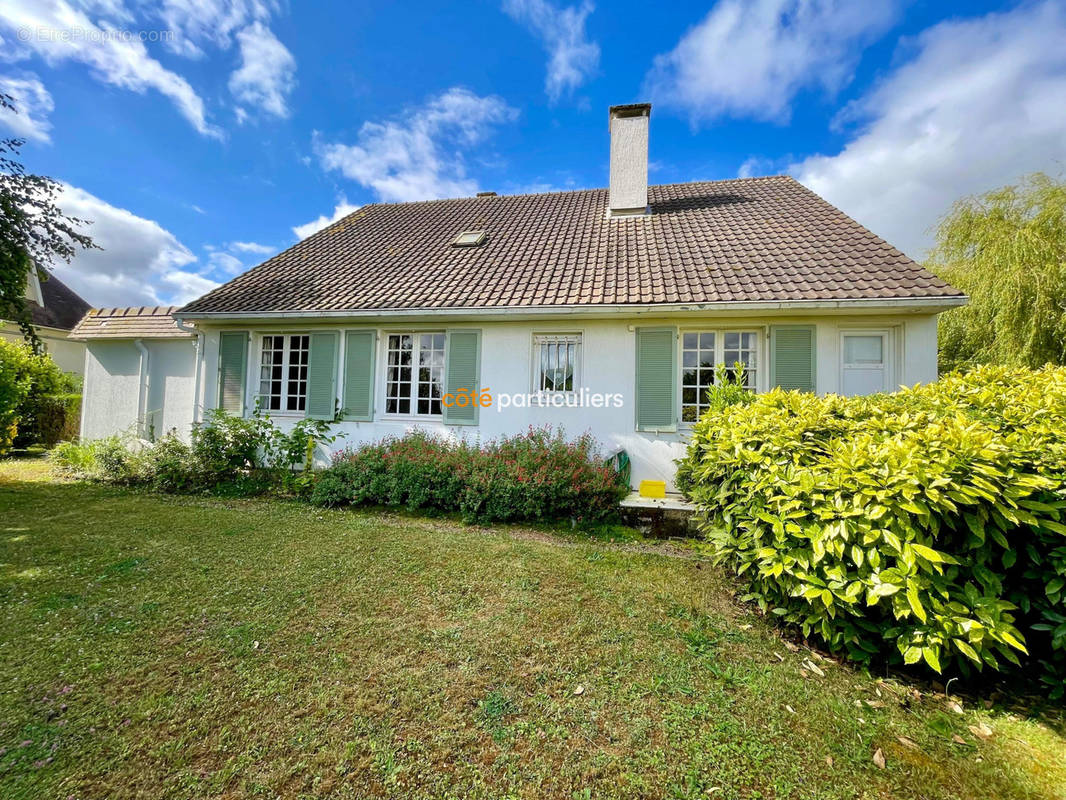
x=469, y=239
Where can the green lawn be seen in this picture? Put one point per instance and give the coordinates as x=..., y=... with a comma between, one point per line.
x=186, y=647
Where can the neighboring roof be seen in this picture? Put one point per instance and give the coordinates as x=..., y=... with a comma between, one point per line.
x=144, y=322
x=62, y=306
x=754, y=239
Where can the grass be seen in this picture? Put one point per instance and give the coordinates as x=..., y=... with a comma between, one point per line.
x=157, y=646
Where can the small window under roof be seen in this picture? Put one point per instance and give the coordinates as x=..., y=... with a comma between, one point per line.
x=469, y=239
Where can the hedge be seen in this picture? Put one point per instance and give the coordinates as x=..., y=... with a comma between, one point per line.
x=538, y=475
x=58, y=418
x=928, y=525
x=37, y=403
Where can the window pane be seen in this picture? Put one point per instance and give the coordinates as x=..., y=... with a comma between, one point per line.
x=863, y=350
x=700, y=357
x=414, y=371
x=556, y=362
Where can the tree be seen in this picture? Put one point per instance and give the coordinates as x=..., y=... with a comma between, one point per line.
x=33, y=231
x=1007, y=250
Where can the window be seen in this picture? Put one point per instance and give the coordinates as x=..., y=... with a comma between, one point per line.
x=414, y=373
x=555, y=359
x=469, y=239
x=701, y=352
x=864, y=357
x=283, y=372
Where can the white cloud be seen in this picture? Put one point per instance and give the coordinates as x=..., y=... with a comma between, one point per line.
x=113, y=59
x=342, y=209
x=749, y=59
x=418, y=156
x=197, y=23
x=226, y=263
x=33, y=104
x=141, y=262
x=572, y=58
x=980, y=103
x=266, y=75
x=252, y=247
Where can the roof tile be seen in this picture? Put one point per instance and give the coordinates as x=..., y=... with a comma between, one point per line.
x=724, y=241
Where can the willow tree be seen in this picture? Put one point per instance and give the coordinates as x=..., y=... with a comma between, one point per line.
x=1007, y=250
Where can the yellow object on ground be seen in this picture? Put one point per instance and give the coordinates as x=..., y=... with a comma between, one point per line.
x=653, y=488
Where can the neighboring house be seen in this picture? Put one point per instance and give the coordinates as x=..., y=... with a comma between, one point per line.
x=55, y=308
x=599, y=310
x=139, y=372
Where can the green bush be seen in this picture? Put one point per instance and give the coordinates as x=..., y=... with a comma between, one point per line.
x=14, y=387
x=77, y=459
x=34, y=395
x=170, y=466
x=228, y=455
x=925, y=525
x=538, y=475
x=58, y=418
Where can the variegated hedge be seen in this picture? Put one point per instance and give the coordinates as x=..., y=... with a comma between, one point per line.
x=925, y=525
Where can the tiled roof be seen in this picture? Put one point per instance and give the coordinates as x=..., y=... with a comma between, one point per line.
x=144, y=322
x=62, y=308
x=756, y=239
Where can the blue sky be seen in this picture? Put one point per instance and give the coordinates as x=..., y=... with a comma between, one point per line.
x=201, y=137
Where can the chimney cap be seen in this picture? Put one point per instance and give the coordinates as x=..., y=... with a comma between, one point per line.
x=629, y=110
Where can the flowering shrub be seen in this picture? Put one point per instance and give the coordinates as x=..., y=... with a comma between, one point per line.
x=927, y=525
x=236, y=454
x=538, y=475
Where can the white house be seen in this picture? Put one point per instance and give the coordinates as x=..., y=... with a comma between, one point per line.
x=599, y=310
x=55, y=308
x=139, y=372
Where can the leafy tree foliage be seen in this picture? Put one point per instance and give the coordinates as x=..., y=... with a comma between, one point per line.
x=33, y=231
x=1007, y=250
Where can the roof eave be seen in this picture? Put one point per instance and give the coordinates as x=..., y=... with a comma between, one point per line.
x=929, y=305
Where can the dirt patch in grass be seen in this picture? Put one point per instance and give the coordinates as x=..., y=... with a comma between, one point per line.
x=158, y=646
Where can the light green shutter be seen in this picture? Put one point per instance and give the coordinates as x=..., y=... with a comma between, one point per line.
x=232, y=370
x=656, y=379
x=792, y=364
x=322, y=376
x=462, y=370
x=359, y=375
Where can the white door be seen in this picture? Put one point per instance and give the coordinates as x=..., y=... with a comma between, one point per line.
x=865, y=362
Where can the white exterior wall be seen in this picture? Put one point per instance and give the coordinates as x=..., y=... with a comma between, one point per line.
x=68, y=354
x=113, y=388
x=607, y=366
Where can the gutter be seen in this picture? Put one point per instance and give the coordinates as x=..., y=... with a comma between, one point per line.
x=198, y=360
x=647, y=309
x=142, y=388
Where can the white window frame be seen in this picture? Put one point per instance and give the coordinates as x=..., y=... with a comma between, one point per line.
x=719, y=350
x=413, y=382
x=889, y=371
x=541, y=338
x=257, y=368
